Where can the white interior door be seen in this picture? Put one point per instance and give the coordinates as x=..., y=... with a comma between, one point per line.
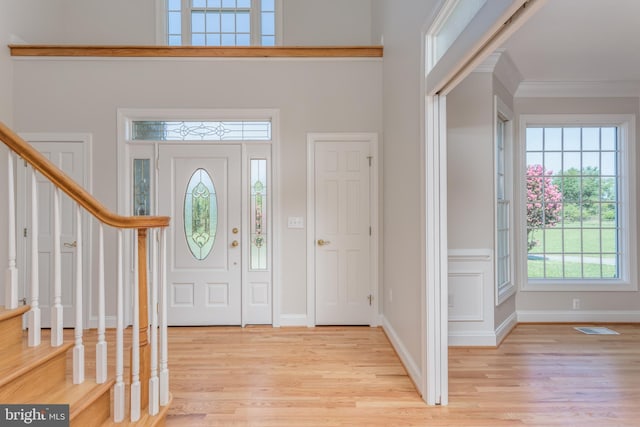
x=343, y=227
x=69, y=157
x=199, y=187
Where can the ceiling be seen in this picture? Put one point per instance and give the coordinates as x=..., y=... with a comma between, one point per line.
x=579, y=40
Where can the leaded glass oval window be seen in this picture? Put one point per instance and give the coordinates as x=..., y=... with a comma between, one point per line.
x=200, y=214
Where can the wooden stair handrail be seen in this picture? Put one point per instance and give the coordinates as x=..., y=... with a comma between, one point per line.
x=72, y=189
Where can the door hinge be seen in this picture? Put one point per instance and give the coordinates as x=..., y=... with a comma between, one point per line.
x=25, y=233
x=370, y=298
x=369, y=230
x=25, y=163
x=369, y=158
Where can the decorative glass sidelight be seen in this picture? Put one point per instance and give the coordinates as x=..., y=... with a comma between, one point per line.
x=258, y=214
x=200, y=214
x=141, y=202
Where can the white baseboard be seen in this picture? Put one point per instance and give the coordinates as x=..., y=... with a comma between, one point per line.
x=472, y=339
x=406, y=359
x=505, y=327
x=109, y=321
x=483, y=338
x=581, y=316
x=293, y=320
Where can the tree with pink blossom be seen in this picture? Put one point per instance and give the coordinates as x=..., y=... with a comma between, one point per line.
x=544, y=202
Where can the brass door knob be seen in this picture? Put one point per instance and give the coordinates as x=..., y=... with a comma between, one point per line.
x=234, y=243
x=323, y=242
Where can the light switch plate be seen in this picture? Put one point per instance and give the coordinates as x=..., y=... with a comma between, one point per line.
x=295, y=222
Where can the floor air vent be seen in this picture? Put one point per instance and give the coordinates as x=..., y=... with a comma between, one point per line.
x=592, y=330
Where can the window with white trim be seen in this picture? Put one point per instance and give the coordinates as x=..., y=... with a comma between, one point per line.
x=503, y=212
x=578, y=191
x=222, y=22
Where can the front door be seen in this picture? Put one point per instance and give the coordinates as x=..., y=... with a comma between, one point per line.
x=199, y=188
x=343, y=233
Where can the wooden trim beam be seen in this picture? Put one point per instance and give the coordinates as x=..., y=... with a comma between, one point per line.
x=73, y=189
x=124, y=51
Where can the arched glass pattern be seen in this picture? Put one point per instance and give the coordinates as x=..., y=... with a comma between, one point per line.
x=200, y=214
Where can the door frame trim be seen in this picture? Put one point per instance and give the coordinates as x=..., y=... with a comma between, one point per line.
x=376, y=228
x=124, y=153
x=86, y=140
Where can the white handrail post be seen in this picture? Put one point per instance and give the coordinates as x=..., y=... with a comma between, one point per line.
x=118, y=390
x=34, y=316
x=101, y=345
x=78, y=349
x=154, y=386
x=135, y=343
x=11, y=275
x=164, y=345
x=56, y=310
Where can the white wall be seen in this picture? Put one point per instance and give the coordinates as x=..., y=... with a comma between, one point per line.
x=474, y=317
x=403, y=143
x=327, y=22
x=557, y=306
x=470, y=208
x=106, y=22
x=470, y=163
x=25, y=19
x=82, y=95
x=305, y=22
x=57, y=95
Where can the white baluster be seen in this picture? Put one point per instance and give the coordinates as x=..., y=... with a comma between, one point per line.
x=34, y=315
x=56, y=310
x=11, y=275
x=135, y=342
x=78, y=349
x=164, y=344
x=118, y=390
x=101, y=345
x=154, y=385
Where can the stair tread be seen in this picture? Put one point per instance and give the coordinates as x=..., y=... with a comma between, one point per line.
x=78, y=396
x=9, y=313
x=20, y=359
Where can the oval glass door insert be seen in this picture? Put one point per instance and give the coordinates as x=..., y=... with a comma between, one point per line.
x=200, y=214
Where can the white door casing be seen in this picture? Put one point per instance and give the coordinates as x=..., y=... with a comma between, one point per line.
x=342, y=220
x=207, y=291
x=69, y=153
x=261, y=289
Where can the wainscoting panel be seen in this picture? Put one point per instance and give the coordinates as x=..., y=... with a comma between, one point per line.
x=465, y=296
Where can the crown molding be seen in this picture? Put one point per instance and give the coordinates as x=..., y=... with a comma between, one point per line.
x=503, y=68
x=579, y=89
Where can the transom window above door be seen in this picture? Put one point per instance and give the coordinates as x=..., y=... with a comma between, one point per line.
x=222, y=22
x=237, y=130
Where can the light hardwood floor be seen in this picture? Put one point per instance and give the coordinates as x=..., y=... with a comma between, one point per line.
x=541, y=375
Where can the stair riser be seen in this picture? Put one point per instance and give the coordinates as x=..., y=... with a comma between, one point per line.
x=10, y=332
x=44, y=377
x=98, y=412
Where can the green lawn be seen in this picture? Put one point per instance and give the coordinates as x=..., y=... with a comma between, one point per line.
x=573, y=241
x=536, y=268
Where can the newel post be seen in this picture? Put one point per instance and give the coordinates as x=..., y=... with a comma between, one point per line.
x=143, y=316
